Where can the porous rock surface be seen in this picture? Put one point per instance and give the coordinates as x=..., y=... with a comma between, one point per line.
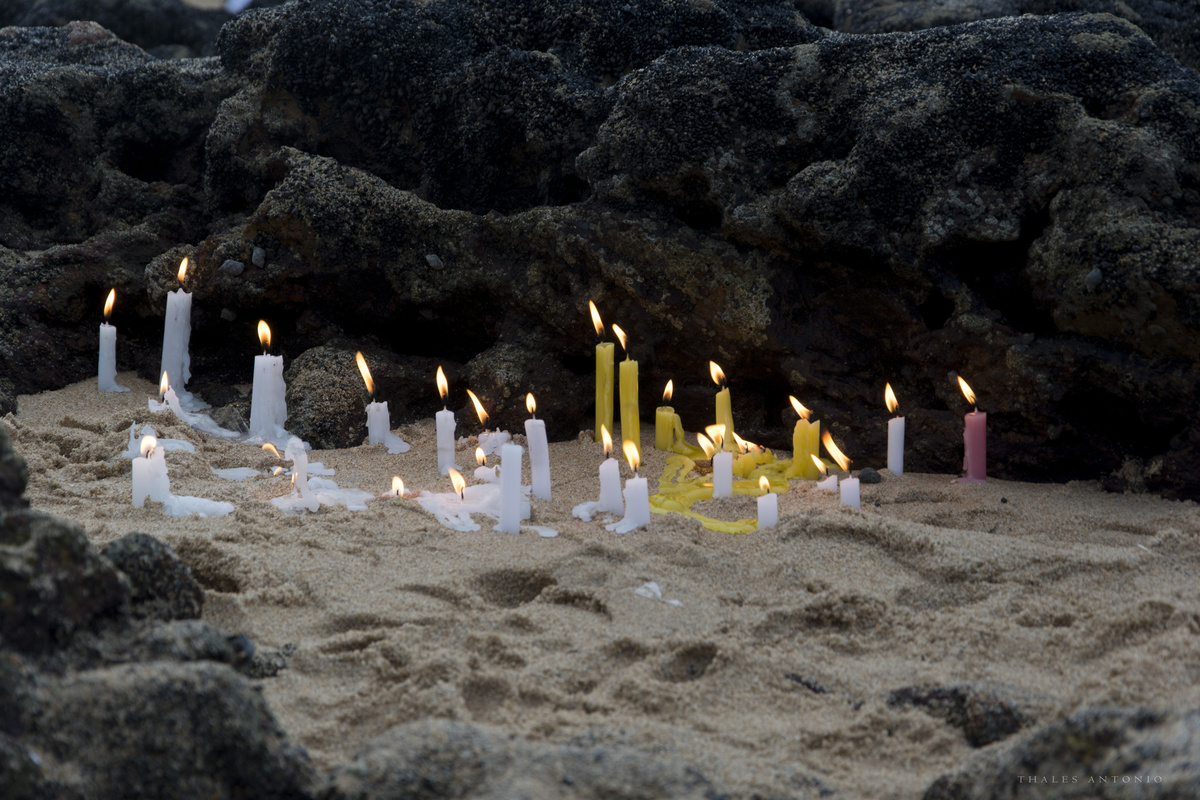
x=1015, y=200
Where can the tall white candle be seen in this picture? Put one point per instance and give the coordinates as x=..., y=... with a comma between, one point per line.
x=445, y=441
x=268, y=395
x=611, y=501
x=177, y=330
x=850, y=493
x=106, y=373
x=895, y=457
x=722, y=466
x=768, y=505
x=510, y=488
x=539, y=452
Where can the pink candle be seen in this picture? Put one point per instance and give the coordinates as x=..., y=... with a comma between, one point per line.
x=974, y=441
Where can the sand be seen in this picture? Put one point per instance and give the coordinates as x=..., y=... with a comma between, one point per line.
x=771, y=675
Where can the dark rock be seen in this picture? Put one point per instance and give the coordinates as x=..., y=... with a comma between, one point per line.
x=231, y=267
x=440, y=759
x=14, y=475
x=984, y=716
x=868, y=475
x=1111, y=753
x=259, y=257
x=170, y=731
x=162, y=585
x=1174, y=26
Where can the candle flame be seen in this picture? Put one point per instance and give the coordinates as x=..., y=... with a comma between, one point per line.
x=620, y=338
x=366, y=373
x=183, y=265
x=456, y=479
x=667, y=392
x=530, y=403
x=108, y=304
x=966, y=390
x=631, y=455
x=718, y=374
x=483, y=415
x=820, y=465
x=717, y=434
x=264, y=335
x=889, y=398
x=706, y=445
x=442, y=384
x=832, y=449
x=596, y=323
x=147, y=445
x=480, y=457
x=163, y=384
x=270, y=448
x=764, y=484
x=804, y=413
x=397, y=486
x=742, y=445
x=607, y=438
x=277, y=471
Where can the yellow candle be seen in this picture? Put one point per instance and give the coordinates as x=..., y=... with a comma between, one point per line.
x=665, y=421
x=605, y=356
x=724, y=404
x=630, y=417
x=806, y=443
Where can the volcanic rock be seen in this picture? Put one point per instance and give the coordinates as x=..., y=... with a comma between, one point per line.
x=161, y=585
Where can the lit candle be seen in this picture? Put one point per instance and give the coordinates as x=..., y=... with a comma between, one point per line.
x=459, y=483
x=397, y=487
x=539, y=451
x=490, y=442
x=630, y=413
x=722, y=462
x=483, y=472
x=379, y=423
x=150, y=478
x=611, y=501
x=830, y=483
x=768, y=505
x=106, y=378
x=605, y=354
x=895, y=459
x=806, y=444
x=664, y=421
x=302, y=494
x=445, y=428
x=974, y=440
x=510, y=488
x=637, y=496
x=177, y=330
x=168, y=398
x=268, y=394
x=724, y=403
x=848, y=486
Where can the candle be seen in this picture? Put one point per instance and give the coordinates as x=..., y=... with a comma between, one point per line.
x=483, y=472
x=302, y=496
x=150, y=474
x=397, y=488
x=379, y=422
x=106, y=375
x=848, y=485
x=830, y=483
x=722, y=462
x=539, y=451
x=806, y=444
x=169, y=399
x=611, y=501
x=974, y=440
x=630, y=414
x=664, y=421
x=605, y=353
x=849, y=493
x=768, y=505
x=177, y=330
x=724, y=403
x=510, y=488
x=445, y=428
x=268, y=394
x=490, y=442
x=895, y=453
x=637, y=496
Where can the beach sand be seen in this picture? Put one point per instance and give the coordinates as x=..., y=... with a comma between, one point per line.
x=773, y=673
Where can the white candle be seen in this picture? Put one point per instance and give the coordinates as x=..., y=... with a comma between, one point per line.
x=722, y=466
x=299, y=458
x=106, y=373
x=611, y=501
x=829, y=483
x=379, y=423
x=768, y=505
x=637, y=495
x=268, y=397
x=510, y=488
x=849, y=493
x=445, y=440
x=150, y=474
x=895, y=457
x=177, y=330
x=539, y=452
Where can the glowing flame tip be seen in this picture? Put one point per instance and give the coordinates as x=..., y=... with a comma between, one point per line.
x=596, y=323
x=669, y=391
x=366, y=373
x=480, y=457
x=483, y=415
x=889, y=398
x=706, y=445
x=717, y=434
x=183, y=265
x=456, y=479
x=820, y=465
x=631, y=454
x=804, y=413
x=620, y=337
x=397, y=486
x=108, y=304
x=147, y=445
x=966, y=390
x=833, y=451
x=270, y=448
x=530, y=403
x=606, y=437
x=264, y=334
x=442, y=384
x=164, y=384
x=763, y=483
x=718, y=374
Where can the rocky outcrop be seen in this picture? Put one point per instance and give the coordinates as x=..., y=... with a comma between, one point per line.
x=1015, y=200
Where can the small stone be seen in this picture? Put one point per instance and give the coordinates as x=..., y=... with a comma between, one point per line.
x=258, y=257
x=231, y=267
x=434, y=261
x=228, y=314
x=1093, y=278
x=868, y=475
